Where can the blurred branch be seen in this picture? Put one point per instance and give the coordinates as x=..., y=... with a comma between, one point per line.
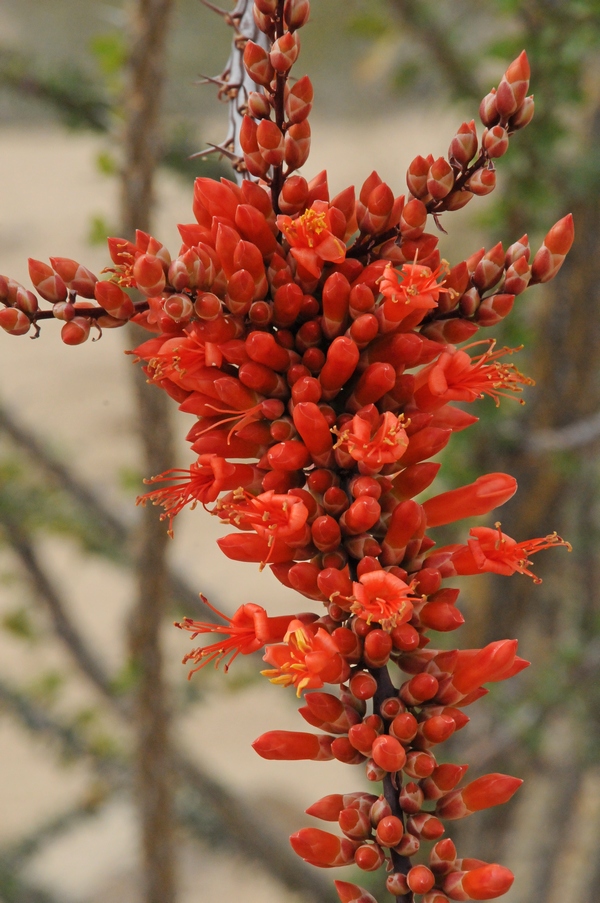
x=69, y=92
x=75, y=99
x=116, y=530
x=426, y=26
x=84, y=658
x=582, y=432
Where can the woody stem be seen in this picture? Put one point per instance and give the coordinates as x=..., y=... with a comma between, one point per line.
x=391, y=788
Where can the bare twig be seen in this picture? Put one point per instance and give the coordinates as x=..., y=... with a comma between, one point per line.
x=84, y=658
x=148, y=28
x=114, y=529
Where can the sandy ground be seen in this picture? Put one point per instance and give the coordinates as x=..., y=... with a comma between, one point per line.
x=79, y=400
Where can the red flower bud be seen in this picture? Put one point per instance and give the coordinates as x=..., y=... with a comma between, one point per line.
x=420, y=879
x=495, y=141
x=550, y=257
x=298, y=100
x=14, y=321
x=76, y=331
x=482, y=182
x=417, y=175
x=284, y=52
x=292, y=745
x=440, y=179
x=297, y=144
x=258, y=64
x=296, y=13
x=270, y=142
x=480, y=497
x=463, y=146
x=484, y=883
x=50, y=286
x=322, y=848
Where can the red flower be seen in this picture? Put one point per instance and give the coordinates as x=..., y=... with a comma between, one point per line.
x=309, y=659
x=272, y=515
x=247, y=631
x=207, y=477
x=491, y=551
x=414, y=287
x=455, y=376
x=383, y=598
x=311, y=238
x=373, y=446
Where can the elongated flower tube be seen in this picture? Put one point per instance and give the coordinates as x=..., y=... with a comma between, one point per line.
x=247, y=631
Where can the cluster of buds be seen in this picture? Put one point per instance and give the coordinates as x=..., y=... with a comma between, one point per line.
x=315, y=342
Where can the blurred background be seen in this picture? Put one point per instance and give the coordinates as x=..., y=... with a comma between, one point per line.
x=118, y=778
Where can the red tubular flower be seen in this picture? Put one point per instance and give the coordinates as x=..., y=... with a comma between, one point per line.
x=484, y=883
x=480, y=497
x=373, y=444
x=483, y=793
x=322, y=848
x=207, y=478
x=309, y=659
x=245, y=632
x=311, y=238
x=456, y=376
x=383, y=598
x=491, y=551
x=293, y=745
x=415, y=287
x=272, y=515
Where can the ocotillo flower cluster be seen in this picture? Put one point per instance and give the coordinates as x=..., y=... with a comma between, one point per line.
x=315, y=340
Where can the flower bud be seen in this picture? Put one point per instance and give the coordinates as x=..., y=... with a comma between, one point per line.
x=420, y=879
x=389, y=831
x=76, y=331
x=495, y=141
x=178, y=307
x=396, y=884
x=463, y=146
x=49, y=285
x=425, y=825
x=440, y=179
x=296, y=13
x=483, y=793
x=259, y=105
x=388, y=753
x=297, y=144
x=291, y=745
x=149, y=275
x=270, y=142
x=480, y=497
x=417, y=174
x=490, y=267
x=114, y=300
x=482, y=182
x=258, y=64
x=322, y=848
x=523, y=116
x=76, y=277
x=550, y=257
x=484, y=883
x=284, y=52
x=513, y=87
x=14, y=321
x=298, y=100
x=369, y=857
x=488, y=111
